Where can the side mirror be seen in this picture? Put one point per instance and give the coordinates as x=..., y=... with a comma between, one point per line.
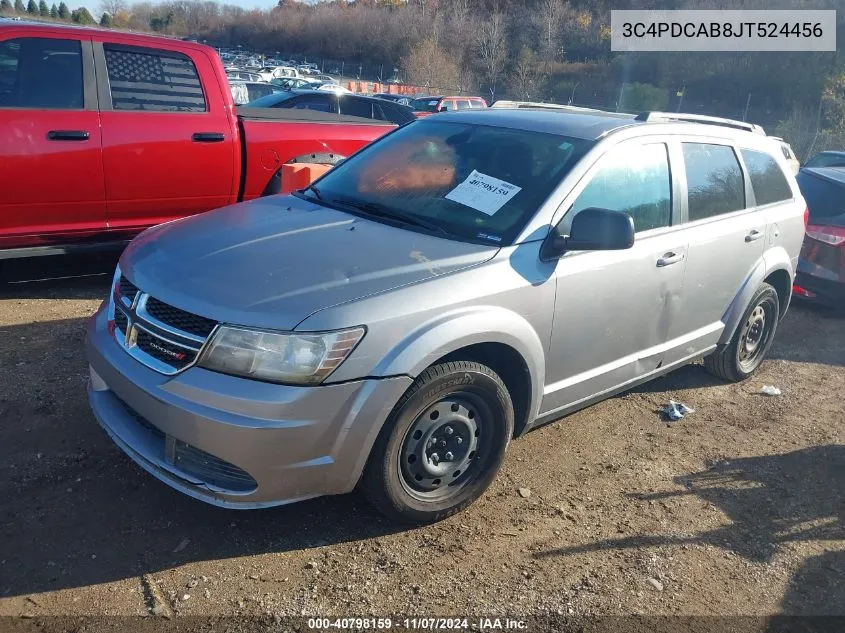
x=593, y=229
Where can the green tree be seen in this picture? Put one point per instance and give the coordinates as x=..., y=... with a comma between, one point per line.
x=82, y=16
x=64, y=12
x=32, y=8
x=54, y=11
x=43, y=9
x=19, y=8
x=5, y=6
x=105, y=20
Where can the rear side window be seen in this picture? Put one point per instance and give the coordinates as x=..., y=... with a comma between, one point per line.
x=767, y=179
x=41, y=73
x=320, y=103
x=388, y=111
x=446, y=104
x=634, y=180
x=353, y=106
x=463, y=104
x=824, y=198
x=152, y=80
x=714, y=180
x=477, y=103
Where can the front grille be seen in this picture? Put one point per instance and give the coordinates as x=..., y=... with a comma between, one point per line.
x=127, y=289
x=120, y=320
x=193, y=461
x=179, y=319
x=162, y=350
x=212, y=470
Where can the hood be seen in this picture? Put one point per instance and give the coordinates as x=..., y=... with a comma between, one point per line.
x=274, y=261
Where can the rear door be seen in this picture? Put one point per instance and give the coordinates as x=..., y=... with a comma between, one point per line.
x=727, y=237
x=51, y=166
x=168, y=142
x=356, y=106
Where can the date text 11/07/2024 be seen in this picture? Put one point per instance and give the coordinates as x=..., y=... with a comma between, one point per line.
x=418, y=624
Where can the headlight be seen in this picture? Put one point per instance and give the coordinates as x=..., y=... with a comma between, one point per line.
x=304, y=359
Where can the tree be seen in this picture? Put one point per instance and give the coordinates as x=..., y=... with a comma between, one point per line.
x=43, y=9
x=32, y=8
x=64, y=12
x=528, y=75
x=112, y=7
x=105, y=20
x=19, y=8
x=6, y=6
x=492, y=44
x=429, y=65
x=82, y=16
x=550, y=17
x=54, y=11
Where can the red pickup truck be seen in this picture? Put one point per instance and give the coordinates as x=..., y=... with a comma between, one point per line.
x=104, y=133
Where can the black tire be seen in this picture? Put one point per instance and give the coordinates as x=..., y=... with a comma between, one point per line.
x=733, y=362
x=479, y=407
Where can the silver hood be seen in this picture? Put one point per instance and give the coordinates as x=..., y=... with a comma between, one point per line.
x=273, y=262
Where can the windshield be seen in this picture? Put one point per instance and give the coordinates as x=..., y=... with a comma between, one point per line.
x=826, y=160
x=471, y=182
x=428, y=104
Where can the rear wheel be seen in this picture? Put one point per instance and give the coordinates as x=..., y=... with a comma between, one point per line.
x=740, y=358
x=443, y=444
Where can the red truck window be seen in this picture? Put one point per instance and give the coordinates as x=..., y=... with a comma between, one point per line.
x=153, y=80
x=41, y=73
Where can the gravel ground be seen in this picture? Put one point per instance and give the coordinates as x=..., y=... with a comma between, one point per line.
x=737, y=509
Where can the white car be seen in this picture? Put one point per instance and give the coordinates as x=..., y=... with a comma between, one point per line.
x=269, y=73
x=330, y=87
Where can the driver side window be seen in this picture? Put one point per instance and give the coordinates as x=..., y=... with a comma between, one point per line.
x=633, y=179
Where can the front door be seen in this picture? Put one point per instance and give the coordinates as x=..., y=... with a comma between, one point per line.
x=614, y=309
x=51, y=166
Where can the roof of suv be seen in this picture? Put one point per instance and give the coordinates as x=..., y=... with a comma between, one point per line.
x=587, y=126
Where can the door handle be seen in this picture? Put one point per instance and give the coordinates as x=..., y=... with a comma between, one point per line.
x=68, y=135
x=753, y=235
x=207, y=137
x=669, y=258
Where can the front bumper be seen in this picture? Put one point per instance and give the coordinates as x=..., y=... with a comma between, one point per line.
x=234, y=442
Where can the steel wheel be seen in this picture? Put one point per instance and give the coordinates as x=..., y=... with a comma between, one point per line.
x=754, y=336
x=442, y=446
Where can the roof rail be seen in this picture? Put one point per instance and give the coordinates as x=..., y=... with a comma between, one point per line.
x=700, y=118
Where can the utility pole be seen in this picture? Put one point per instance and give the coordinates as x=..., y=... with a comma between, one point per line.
x=681, y=100
x=747, y=103
x=572, y=96
x=621, y=92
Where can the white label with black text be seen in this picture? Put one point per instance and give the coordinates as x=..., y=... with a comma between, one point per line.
x=483, y=193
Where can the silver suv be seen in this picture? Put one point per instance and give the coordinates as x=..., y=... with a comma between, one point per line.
x=461, y=281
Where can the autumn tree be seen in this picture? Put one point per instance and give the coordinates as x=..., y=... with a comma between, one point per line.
x=429, y=65
x=528, y=75
x=492, y=45
x=6, y=6
x=112, y=7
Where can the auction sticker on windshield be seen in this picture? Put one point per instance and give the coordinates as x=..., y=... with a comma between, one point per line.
x=483, y=193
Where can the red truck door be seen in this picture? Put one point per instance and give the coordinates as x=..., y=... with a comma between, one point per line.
x=168, y=140
x=51, y=169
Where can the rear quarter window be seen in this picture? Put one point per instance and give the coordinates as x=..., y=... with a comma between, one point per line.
x=767, y=179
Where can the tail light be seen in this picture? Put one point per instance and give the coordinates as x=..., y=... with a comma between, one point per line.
x=802, y=292
x=806, y=218
x=830, y=235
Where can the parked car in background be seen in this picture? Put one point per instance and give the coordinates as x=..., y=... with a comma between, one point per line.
x=788, y=154
x=821, y=269
x=348, y=104
x=268, y=73
x=327, y=79
x=90, y=158
x=400, y=99
x=243, y=75
x=330, y=87
x=425, y=106
x=245, y=91
x=294, y=83
x=455, y=284
x=830, y=158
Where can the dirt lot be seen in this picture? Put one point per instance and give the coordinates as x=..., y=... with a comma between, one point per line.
x=737, y=509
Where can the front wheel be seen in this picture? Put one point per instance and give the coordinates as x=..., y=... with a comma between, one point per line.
x=753, y=337
x=442, y=445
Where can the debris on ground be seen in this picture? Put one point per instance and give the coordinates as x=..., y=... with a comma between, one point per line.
x=656, y=584
x=524, y=492
x=676, y=410
x=768, y=390
x=182, y=545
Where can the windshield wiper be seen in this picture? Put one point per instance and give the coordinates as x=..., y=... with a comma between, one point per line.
x=314, y=189
x=371, y=208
